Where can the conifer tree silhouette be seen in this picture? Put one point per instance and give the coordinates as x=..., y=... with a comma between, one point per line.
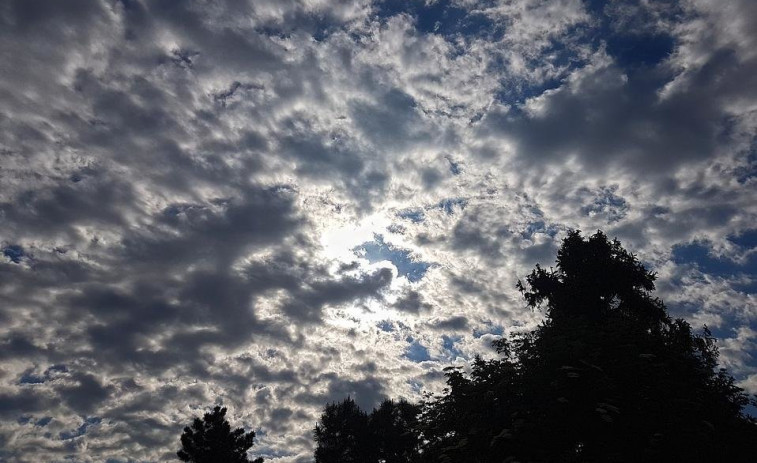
x=342, y=435
x=211, y=440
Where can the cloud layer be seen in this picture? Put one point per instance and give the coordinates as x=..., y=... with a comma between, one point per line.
x=276, y=204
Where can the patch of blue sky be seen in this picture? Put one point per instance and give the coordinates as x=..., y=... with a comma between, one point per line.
x=44, y=421
x=640, y=50
x=442, y=17
x=81, y=430
x=454, y=167
x=726, y=329
x=748, y=170
x=416, y=386
x=631, y=48
x=747, y=173
x=608, y=205
x=60, y=368
x=721, y=329
x=377, y=251
x=31, y=378
x=699, y=255
x=747, y=239
x=385, y=325
x=319, y=26
x=516, y=93
x=14, y=252
x=450, y=204
x=639, y=44
x=416, y=351
x=174, y=210
x=449, y=345
x=414, y=215
x=539, y=226
x=560, y=54
x=490, y=328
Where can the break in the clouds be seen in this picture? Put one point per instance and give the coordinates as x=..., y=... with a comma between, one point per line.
x=276, y=204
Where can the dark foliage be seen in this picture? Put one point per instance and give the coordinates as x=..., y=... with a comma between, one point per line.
x=608, y=377
x=346, y=434
x=342, y=434
x=394, y=429
x=211, y=440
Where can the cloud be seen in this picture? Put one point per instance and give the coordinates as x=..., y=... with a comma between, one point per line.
x=273, y=205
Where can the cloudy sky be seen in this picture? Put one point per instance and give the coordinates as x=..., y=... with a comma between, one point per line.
x=272, y=204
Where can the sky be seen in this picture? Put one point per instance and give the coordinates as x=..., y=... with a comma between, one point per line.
x=274, y=204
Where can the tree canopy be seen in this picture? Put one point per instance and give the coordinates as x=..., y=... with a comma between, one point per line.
x=608, y=376
x=211, y=440
x=347, y=434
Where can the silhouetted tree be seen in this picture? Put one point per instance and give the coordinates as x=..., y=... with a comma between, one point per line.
x=346, y=434
x=211, y=440
x=342, y=435
x=608, y=376
x=394, y=429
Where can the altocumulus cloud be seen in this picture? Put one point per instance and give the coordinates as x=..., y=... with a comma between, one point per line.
x=275, y=204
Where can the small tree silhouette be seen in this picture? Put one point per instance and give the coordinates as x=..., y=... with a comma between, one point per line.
x=211, y=440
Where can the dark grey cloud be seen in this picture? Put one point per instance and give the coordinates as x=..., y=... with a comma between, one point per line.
x=367, y=392
x=308, y=302
x=86, y=395
x=56, y=210
x=458, y=323
x=24, y=401
x=411, y=301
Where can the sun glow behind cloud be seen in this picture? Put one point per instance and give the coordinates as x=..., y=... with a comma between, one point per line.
x=339, y=240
